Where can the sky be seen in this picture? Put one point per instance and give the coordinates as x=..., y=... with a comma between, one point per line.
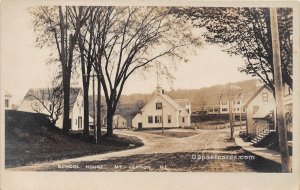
x=23, y=65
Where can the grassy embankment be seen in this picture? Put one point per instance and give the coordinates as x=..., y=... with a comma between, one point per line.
x=30, y=138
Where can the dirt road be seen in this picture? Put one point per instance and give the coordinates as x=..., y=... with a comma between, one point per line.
x=160, y=153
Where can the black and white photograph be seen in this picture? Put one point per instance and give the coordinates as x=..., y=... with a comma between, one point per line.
x=142, y=89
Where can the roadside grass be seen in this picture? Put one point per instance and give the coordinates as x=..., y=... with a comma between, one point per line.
x=211, y=124
x=30, y=138
x=216, y=124
x=174, y=162
x=170, y=133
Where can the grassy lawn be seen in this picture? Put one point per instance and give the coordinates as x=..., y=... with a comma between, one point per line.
x=177, y=133
x=30, y=138
x=211, y=124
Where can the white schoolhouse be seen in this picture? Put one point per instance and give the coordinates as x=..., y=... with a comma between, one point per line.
x=162, y=110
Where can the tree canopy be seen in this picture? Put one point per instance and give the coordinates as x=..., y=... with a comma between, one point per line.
x=247, y=32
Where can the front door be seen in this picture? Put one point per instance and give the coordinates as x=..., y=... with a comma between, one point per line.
x=140, y=125
x=79, y=123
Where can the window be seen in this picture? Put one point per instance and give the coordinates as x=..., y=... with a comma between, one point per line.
x=188, y=110
x=81, y=103
x=264, y=97
x=50, y=107
x=255, y=109
x=183, y=120
x=157, y=119
x=75, y=121
x=224, y=109
x=238, y=102
x=244, y=109
x=211, y=110
x=79, y=110
x=169, y=119
x=237, y=109
x=150, y=119
x=216, y=110
x=158, y=106
x=224, y=103
x=6, y=103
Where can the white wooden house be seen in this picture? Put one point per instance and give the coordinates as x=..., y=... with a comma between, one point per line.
x=7, y=100
x=119, y=121
x=31, y=104
x=163, y=111
x=237, y=100
x=260, y=110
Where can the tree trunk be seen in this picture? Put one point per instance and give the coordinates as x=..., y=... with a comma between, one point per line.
x=86, y=110
x=110, y=114
x=66, y=119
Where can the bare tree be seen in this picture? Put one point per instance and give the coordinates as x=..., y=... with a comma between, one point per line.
x=132, y=39
x=49, y=101
x=87, y=48
x=53, y=26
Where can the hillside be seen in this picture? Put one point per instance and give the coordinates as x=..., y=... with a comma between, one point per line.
x=30, y=138
x=207, y=95
x=131, y=104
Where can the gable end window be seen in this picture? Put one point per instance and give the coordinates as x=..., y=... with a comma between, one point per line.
x=158, y=105
x=264, y=97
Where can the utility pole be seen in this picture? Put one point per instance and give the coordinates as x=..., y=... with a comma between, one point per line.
x=240, y=114
x=240, y=99
x=99, y=105
x=230, y=116
x=282, y=133
x=162, y=119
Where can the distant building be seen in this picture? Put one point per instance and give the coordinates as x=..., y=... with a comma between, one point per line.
x=260, y=111
x=219, y=103
x=7, y=100
x=162, y=110
x=238, y=104
x=31, y=104
x=119, y=121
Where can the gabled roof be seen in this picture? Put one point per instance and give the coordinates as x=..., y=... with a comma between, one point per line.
x=259, y=89
x=172, y=102
x=44, y=93
x=7, y=94
x=182, y=102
